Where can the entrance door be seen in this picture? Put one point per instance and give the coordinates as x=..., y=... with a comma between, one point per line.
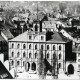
x=33, y=66
x=70, y=69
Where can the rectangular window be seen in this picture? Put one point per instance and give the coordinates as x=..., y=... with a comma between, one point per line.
x=42, y=37
x=78, y=54
x=30, y=37
x=23, y=63
x=78, y=60
x=29, y=46
x=79, y=66
x=36, y=46
x=47, y=47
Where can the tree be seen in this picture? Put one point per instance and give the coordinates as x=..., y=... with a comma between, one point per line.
x=62, y=7
x=78, y=9
x=55, y=67
x=41, y=65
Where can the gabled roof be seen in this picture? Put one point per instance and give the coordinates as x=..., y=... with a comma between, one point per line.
x=8, y=34
x=4, y=71
x=59, y=38
x=1, y=38
x=21, y=37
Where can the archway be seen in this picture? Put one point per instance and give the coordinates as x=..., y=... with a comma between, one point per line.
x=27, y=66
x=70, y=69
x=33, y=66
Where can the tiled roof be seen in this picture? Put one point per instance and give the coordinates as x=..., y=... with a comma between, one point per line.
x=1, y=38
x=8, y=34
x=6, y=25
x=74, y=49
x=21, y=37
x=59, y=38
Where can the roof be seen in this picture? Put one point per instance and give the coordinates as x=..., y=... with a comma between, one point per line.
x=1, y=38
x=6, y=25
x=4, y=71
x=34, y=17
x=59, y=38
x=21, y=37
x=8, y=34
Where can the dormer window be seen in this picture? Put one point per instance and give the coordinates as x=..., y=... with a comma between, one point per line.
x=42, y=37
x=30, y=37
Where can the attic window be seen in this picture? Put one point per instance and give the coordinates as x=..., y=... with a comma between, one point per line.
x=30, y=37
x=42, y=37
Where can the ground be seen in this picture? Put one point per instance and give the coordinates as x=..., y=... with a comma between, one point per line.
x=33, y=75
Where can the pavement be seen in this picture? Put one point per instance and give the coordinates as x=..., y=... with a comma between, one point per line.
x=34, y=75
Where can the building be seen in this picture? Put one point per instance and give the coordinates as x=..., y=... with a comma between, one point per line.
x=24, y=50
x=49, y=25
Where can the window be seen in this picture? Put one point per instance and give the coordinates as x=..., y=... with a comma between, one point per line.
x=53, y=47
x=60, y=56
x=30, y=46
x=23, y=63
x=41, y=46
x=12, y=45
x=18, y=63
x=18, y=45
x=35, y=55
x=59, y=65
x=78, y=60
x=30, y=37
x=78, y=54
x=47, y=47
x=12, y=63
x=59, y=47
x=36, y=27
x=18, y=54
x=47, y=55
x=24, y=54
x=79, y=66
x=30, y=55
x=42, y=37
x=12, y=54
x=24, y=46
x=54, y=55
x=36, y=46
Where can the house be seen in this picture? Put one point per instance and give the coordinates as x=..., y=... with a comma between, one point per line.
x=50, y=25
x=24, y=50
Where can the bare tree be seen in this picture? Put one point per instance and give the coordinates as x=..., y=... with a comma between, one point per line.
x=41, y=65
x=55, y=67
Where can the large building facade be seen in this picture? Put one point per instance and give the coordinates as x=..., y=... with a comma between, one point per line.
x=24, y=50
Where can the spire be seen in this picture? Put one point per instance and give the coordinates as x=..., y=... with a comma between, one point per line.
x=37, y=10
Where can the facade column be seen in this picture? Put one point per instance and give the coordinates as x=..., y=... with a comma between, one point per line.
x=30, y=66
